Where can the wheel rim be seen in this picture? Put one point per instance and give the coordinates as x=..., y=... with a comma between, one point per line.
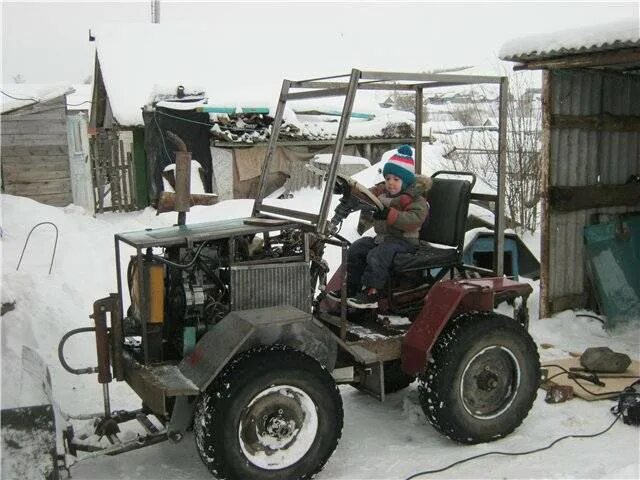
x=490, y=382
x=278, y=427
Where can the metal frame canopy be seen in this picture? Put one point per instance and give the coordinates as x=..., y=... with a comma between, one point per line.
x=347, y=85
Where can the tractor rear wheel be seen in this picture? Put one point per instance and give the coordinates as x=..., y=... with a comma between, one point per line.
x=483, y=378
x=272, y=413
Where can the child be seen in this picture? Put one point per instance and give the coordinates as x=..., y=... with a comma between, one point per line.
x=397, y=227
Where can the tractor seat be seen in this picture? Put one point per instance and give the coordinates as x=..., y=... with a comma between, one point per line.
x=442, y=234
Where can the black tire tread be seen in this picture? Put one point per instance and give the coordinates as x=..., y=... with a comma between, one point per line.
x=436, y=381
x=242, y=369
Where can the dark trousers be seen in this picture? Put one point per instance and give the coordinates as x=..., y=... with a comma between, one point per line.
x=369, y=263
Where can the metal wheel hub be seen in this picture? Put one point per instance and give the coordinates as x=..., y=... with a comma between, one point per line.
x=490, y=382
x=278, y=427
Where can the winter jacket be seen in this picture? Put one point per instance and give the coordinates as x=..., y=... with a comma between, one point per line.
x=408, y=210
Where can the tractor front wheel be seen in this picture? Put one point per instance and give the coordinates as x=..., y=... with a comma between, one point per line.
x=272, y=413
x=482, y=380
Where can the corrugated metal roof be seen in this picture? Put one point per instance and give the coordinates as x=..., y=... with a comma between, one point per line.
x=598, y=38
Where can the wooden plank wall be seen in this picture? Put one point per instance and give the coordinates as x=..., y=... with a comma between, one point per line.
x=35, y=153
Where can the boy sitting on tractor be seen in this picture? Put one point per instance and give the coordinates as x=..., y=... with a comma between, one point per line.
x=397, y=226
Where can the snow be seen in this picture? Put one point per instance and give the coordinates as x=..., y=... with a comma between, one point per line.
x=80, y=99
x=389, y=440
x=616, y=34
x=30, y=93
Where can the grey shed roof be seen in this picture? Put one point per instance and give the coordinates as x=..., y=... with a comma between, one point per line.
x=599, y=38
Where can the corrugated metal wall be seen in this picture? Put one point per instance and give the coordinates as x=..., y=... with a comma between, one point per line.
x=578, y=157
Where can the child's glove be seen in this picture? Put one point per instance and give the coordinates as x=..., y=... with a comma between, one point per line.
x=381, y=214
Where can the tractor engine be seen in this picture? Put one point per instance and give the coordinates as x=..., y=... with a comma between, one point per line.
x=190, y=288
x=197, y=296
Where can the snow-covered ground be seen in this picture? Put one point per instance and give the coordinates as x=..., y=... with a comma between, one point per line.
x=379, y=440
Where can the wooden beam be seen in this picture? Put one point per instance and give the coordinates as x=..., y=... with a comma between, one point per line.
x=571, y=199
x=605, y=121
x=596, y=59
x=28, y=189
x=27, y=150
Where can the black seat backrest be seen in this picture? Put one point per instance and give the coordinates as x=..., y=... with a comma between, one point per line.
x=449, y=206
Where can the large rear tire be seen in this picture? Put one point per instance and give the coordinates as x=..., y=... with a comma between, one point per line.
x=483, y=378
x=273, y=413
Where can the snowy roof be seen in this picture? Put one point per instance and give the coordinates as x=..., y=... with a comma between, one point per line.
x=19, y=95
x=611, y=36
x=80, y=99
x=140, y=60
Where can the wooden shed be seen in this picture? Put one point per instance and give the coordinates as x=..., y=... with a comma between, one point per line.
x=35, y=152
x=590, y=148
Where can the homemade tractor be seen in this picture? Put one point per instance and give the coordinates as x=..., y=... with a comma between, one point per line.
x=225, y=332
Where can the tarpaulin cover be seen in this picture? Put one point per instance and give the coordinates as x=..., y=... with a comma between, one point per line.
x=612, y=253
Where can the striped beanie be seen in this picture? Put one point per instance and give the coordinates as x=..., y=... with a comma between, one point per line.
x=401, y=165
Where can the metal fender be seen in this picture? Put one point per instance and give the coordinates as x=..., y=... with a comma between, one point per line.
x=243, y=329
x=445, y=300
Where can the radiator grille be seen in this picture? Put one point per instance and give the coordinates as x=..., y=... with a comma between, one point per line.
x=258, y=286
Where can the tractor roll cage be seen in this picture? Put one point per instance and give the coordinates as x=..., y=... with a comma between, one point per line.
x=347, y=85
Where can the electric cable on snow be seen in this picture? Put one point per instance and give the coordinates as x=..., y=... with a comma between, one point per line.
x=513, y=454
x=618, y=411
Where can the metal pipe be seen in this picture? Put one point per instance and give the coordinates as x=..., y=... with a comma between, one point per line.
x=343, y=293
x=55, y=244
x=327, y=92
x=273, y=139
x=427, y=77
x=419, y=116
x=117, y=337
x=371, y=85
x=118, y=274
x=143, y=303
x=498, y=257
x=337, y=153
x=106, y=399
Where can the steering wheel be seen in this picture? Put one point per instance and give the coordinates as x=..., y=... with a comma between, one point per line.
x=348, y=187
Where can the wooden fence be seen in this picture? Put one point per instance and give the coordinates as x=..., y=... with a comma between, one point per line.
x=112, y=168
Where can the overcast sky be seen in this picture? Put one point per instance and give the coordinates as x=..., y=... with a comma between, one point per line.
x=47, y=42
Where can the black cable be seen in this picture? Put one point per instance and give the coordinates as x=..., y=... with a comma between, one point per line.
x=40, y=101
x=513, y=454
x=18, y=98
x=182, y=266
x=155, y=118
x=590, y=316
x=186, y=119
x=78, y=104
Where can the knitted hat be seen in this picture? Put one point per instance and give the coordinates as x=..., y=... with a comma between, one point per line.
x=402, y=165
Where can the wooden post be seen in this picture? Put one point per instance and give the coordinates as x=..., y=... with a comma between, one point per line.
x=545, y=175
